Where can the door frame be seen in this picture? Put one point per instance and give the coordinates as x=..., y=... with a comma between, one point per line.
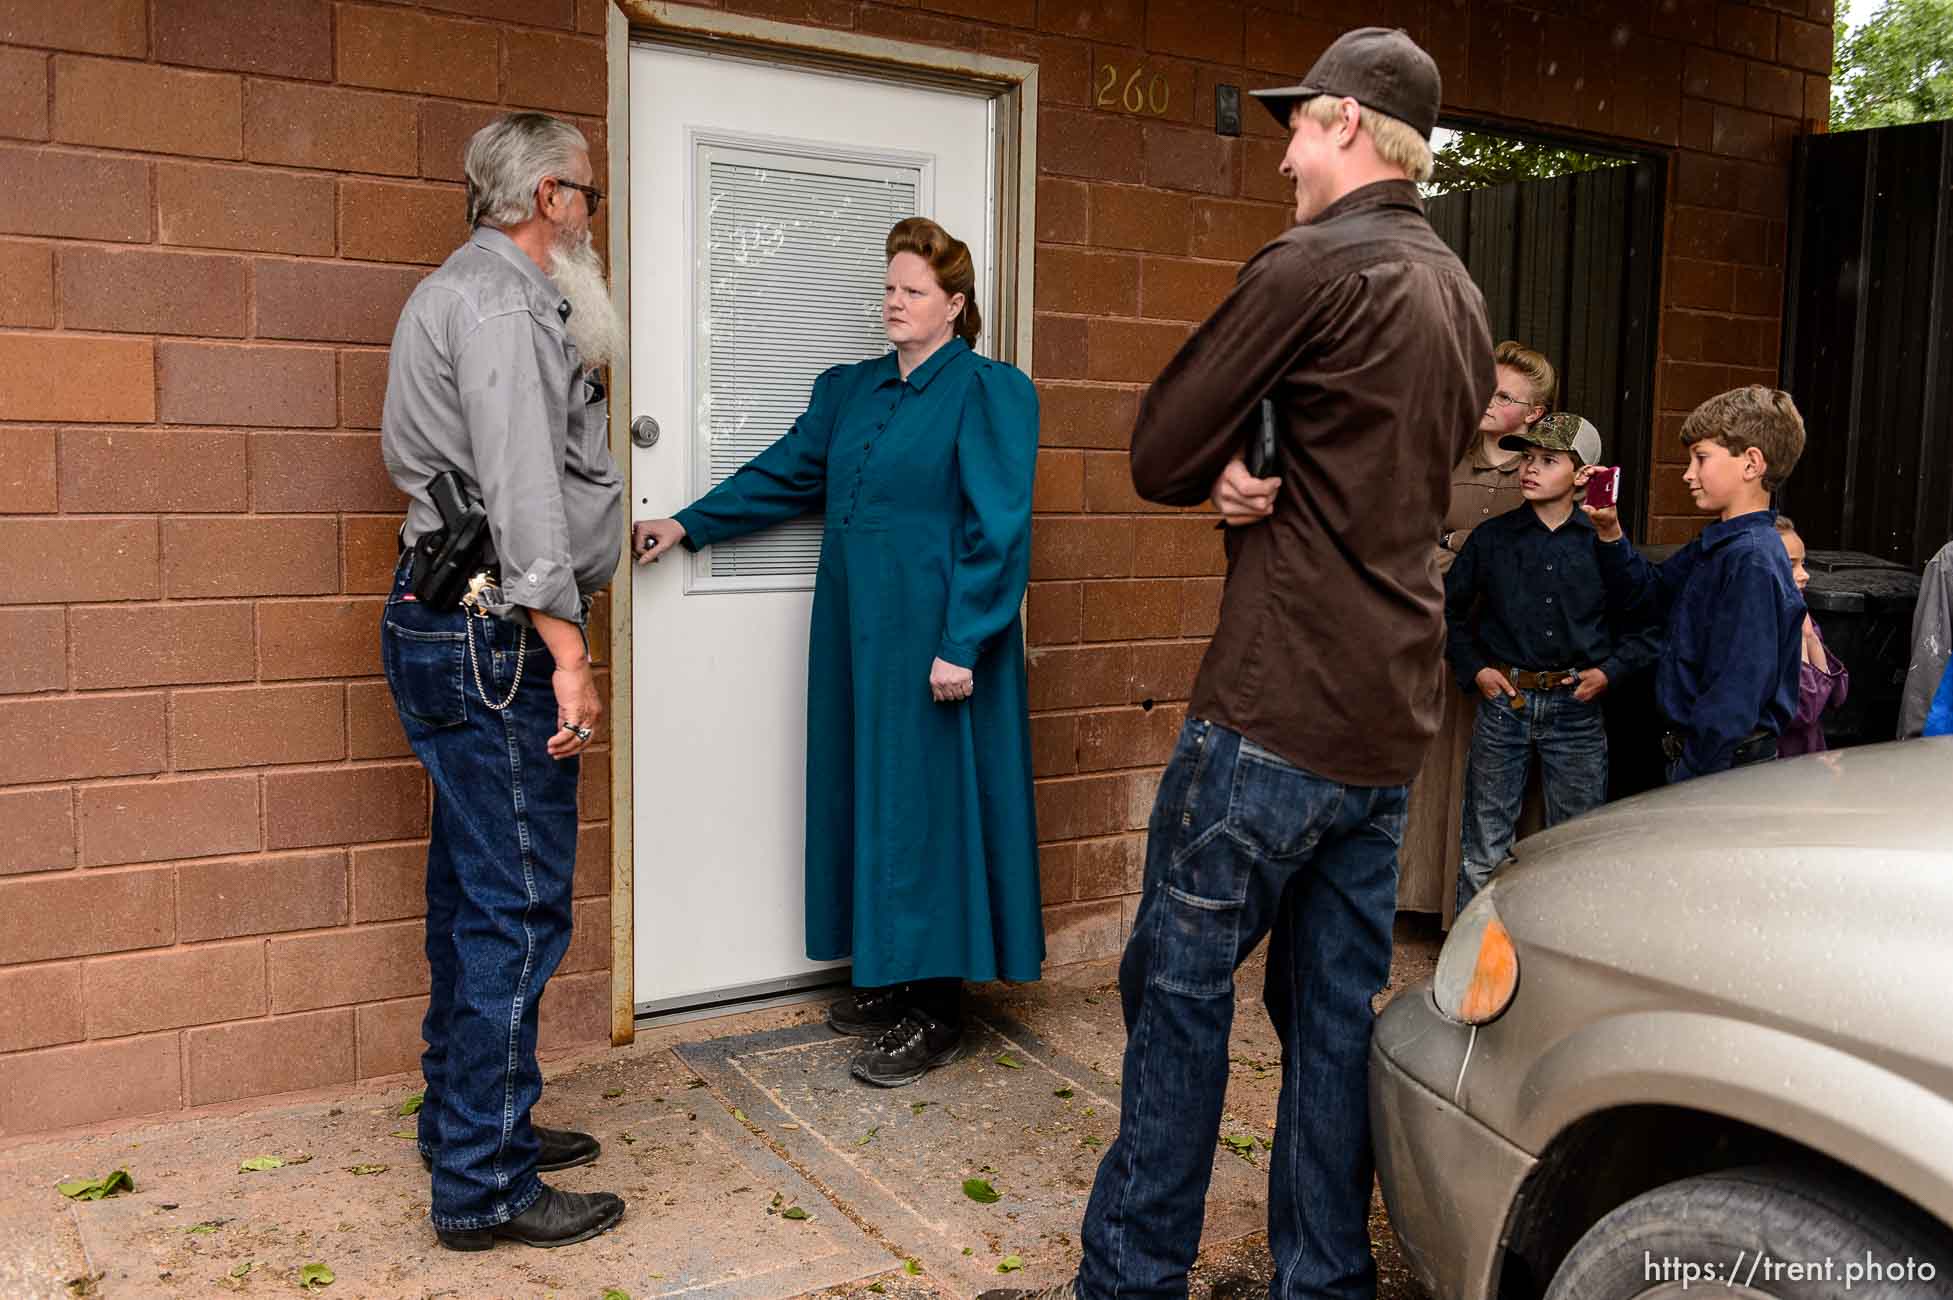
x=1011, y=85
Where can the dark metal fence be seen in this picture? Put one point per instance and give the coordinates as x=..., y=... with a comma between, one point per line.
x=1569, y=266
x=1868, y=340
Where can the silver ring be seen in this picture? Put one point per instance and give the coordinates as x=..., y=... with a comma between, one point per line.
x=581, y=733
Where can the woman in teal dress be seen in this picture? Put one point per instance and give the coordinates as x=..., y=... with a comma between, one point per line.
x=921, y=837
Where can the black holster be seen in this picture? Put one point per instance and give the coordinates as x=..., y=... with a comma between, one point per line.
x=445, y=559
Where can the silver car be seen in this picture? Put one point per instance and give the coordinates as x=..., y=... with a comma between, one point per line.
x=1697, y=1042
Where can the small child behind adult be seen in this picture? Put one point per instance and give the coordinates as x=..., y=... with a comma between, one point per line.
x=1822, y=681
x=1728, y=672
x=1550, y=634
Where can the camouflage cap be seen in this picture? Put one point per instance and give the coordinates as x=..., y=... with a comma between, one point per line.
x=1560, y=431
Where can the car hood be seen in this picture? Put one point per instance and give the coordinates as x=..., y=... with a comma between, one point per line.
x=1897, y=796
x=1808, y=893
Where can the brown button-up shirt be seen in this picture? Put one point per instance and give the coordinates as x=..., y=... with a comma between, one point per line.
x=1480, y=491
x=1372, y=340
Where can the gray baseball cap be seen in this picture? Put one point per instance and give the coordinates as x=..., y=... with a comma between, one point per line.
x=1378, y=67
x=1560, y=431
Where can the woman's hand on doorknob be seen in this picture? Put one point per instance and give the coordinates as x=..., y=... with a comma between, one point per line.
x=651, y=538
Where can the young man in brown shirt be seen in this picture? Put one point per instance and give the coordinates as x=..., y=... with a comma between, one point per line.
x=1281, y=810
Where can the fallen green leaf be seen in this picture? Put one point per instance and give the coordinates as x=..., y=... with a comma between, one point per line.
x=867, y=1137
x=739, y=1114
x=94, y=1189
x=612, y=1293
x=1088, y=1141
x=200, y=1229
x=406, y=1133
x=878, y=1288
x=241, y=1269
x=795, y=1212
x=366, y=1169
x=304, y=1158
x=1010, y=1263
x=259, y=1164
x=1268, y=1144
x=608, y=1093
x=315, y=1275
x=980, y=1191
x=1009, y=1064
x=1064, y=1093
x=912, y=1266
x=1239, y=1141
x=968, y=1251
x=917, y=1107
x=628, y=1139
x=412, y=1104
x=777, y=1198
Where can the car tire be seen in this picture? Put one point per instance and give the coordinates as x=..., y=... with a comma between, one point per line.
x=1733, y=1235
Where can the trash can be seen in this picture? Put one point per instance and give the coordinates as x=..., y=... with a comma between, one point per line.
x=1865, y=614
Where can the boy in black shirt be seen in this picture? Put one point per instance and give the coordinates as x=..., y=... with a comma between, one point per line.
x=1551, y=633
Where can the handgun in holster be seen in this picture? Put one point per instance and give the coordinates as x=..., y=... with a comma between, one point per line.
x=445, y=559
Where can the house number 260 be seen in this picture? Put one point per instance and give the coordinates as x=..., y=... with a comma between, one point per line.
x=1152, y=99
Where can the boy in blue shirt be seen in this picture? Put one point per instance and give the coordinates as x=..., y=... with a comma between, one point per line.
x=1551, y=632
x=1727, y=675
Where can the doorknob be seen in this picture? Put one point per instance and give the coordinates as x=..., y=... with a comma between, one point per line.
x=644, y=431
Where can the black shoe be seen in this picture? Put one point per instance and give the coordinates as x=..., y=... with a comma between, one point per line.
x=907, y=1052
x=869, y=1013
x=553, y=1219
x=561, y=1149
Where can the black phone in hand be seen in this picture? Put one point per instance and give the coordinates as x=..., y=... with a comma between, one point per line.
x=1261, y=443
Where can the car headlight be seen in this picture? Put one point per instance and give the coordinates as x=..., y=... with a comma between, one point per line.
x=1478, y=969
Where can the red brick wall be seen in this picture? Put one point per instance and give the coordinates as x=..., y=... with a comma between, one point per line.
x=210, y=824
x=208, y=853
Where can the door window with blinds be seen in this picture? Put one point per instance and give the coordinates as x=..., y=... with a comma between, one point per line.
x=788, y=281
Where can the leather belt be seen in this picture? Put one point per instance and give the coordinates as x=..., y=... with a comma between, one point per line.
x=1757, y=747
x=1549, y=679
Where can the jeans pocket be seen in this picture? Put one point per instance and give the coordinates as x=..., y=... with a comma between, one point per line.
x=1276, y=809
x=1196, y=955
x=427, y=672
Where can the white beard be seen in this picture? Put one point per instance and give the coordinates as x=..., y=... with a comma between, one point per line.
x=594, y=325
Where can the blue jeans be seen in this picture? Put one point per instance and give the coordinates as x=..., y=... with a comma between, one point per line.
x=1571, y=739
x=499, y=867
x=1243, y=844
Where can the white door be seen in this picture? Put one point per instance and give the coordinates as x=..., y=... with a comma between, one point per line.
x=760, y=195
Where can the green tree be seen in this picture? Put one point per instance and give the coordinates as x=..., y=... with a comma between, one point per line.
x=1896, y=66
x=1474, y=160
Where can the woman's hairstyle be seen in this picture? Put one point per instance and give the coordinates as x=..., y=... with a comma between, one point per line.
x=949, y=260
x=509, y=158
x=1785, y=524
x=1534, y=366
x=1397, y=142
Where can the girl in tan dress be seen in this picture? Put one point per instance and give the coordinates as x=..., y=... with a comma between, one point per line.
x=1484, y=484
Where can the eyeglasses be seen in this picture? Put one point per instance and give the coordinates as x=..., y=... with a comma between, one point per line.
x=1507, y=399
x=591, y=194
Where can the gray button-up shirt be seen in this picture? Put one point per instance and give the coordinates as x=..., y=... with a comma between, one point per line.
x=483, y=379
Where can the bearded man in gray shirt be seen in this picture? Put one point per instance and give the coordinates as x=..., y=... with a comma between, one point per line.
x=495, y=374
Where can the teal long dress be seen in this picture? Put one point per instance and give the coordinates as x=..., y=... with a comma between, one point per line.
x=921, y=835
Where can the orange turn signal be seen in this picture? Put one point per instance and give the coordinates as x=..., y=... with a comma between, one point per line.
x=1478, y=968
